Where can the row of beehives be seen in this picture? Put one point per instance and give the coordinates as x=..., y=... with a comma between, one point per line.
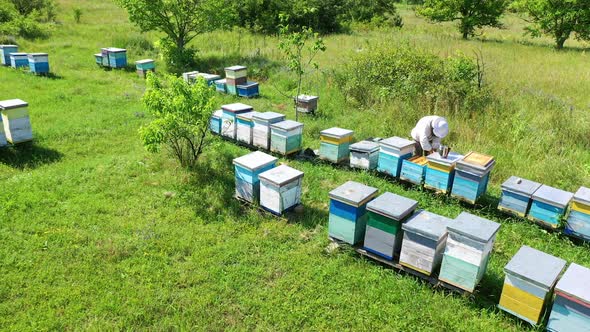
x=548, y=206
x=38, y=63
x=459, y=250
x=15, y=126
x=112, y=57
x=235, y=82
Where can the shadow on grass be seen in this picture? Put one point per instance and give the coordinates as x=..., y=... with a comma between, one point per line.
x=28, y=155
x=259, y=67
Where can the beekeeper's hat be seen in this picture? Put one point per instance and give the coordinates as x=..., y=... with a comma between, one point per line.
x=440, y=127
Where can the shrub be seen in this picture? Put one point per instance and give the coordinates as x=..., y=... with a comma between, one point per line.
x=177, y=59
x=77, y=14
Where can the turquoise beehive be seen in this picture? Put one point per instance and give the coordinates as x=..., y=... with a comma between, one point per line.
x=440, y=171
x=335, y=144
x=247, y=170
x=571, y=307
x=549, y=206
x=393, y=151
x=472, y=174
x=578, y=220
x=517, y=194
x=229, y=118
x=348, y=211
x=5, y=51
x=215, y=122
x=286, y=137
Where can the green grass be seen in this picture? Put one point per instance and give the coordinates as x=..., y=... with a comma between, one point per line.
x=98, y=234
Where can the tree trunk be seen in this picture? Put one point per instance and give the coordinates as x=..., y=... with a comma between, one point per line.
x=465, y=35
x=560, y=39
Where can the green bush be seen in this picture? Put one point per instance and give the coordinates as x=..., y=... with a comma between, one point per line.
x=20, y=21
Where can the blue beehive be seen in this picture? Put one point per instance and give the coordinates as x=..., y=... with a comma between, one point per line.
x=517, y=196
x=248, y=90
x=472, y=174
x=578, y=221
x=393, y=151
x=98, y=59
x=348, y=211
x=247, y=170
x=117, y=57
x=5, y=51
x=220, y=86
x=571, y=308
x=440, y=172
x=414, y=170
x=215, y=122
x=549, y=206
x=229, y=118
x=19, y=60
x=39, y=63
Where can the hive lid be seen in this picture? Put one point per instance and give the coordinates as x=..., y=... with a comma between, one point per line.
x=281, y=175
x=116, y=50
x=450, y=160
x=306, y=98
x=255, y=160
x=144, y=61
x=364, y=146
x=247, y=115
x=353, y=193
x=208, y=77
x=535, y=266
x=583, y=195
x=553, y=196
x=38, y=54
x=221, y=81
x=218, y=113
x=574, y=282
x=8, y=46
x=237, y=108
x=12, y=103
x=337, y=132
x=392, y=206
x=98, y=54
x=248, y=85
x=427, y=224
x=269, y=116
x=397, y=142
x=287, y=125
x=236, y=68
x=18, y=54
x=474, y=227
x=520, y=186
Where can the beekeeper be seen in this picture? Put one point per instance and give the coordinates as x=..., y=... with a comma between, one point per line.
x=428, y=133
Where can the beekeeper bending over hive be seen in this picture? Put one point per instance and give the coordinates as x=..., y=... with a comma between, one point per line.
x=429, y=132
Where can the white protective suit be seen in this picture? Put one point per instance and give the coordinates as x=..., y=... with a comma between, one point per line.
x=424, y=132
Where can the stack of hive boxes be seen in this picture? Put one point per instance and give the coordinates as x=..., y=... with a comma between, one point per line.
x=229, y=118
x=114, y=57
x=530, y=277
x=5, y=51
x=348, y=211
x=280, y=189
x=306, y=104
x=392, y=153
x=425, y=235
x=472, y=176
x=286, y=137
x=578, y=221
x=245, y=125
x=571, y=308
x=234, y=76
x=517, y=196
x=549, y=206
x=364, y=155
x=15, y=118
x=19, y=60
x=142, y=67
x=335, y=144
x=414, y=170
x=261, y=130
x=39, y=63
x=215, y=122
x=386, y=214
x=440, y=172
x=247, y=171
x=468, y=250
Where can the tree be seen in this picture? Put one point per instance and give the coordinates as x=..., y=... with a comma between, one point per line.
x=181, y=117
x=471, y=14
x=557, y=18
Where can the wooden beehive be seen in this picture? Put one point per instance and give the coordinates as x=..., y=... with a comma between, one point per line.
x=413, y=170
x=530, y=278
x=286, y=137
x=117, y=57
x=571, y=307
x=472, y=174
x=578, y=220
x=384, y=234
x=215, y=122
x=229, y=118
x=517, y=194
x=248, y=90
x=335, y=144
x=98, y=59
x=364, y=155
x=5, y=51
x=142, y=67
x=393, y=151
x=280, y=189
x=440, y=172
x=220, y=86
x=189, y=76
x=467, y=251
x=236, y=72
x=425, y=236
x=15, y=118
x=39, y=63
x=261, y=130
x=306, y=104
x=244, y=127
x=549, y=206
x=348, y=211
x=19, y=60
x=247, y=170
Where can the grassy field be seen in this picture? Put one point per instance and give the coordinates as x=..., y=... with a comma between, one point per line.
x=98, y=234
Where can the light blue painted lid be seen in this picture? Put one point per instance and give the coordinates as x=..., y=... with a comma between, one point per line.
x=574, y=282
x=140, y=62
x=474, y=227
x=397, y=142
x=221, y=81
x=255, y=160
x=218, y=114
x=353, y=193
x=12, y=103
x=280, y=175
x=287, y=125
x=237, y=108
x=536, y=267
x=270, y=117
x=392, y=206
x=246, y=116
x=337, y=132
x=450, y=160
x=582, y=195
x=8, y=46
x=427, y=224
x=521, y=186
x=553, y=196
x=364, y=146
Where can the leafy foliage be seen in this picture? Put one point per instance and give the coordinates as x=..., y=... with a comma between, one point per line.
x=181, y=113
x=45, y=9
x=21, y=18
x=470, y=14
x=557, y=18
